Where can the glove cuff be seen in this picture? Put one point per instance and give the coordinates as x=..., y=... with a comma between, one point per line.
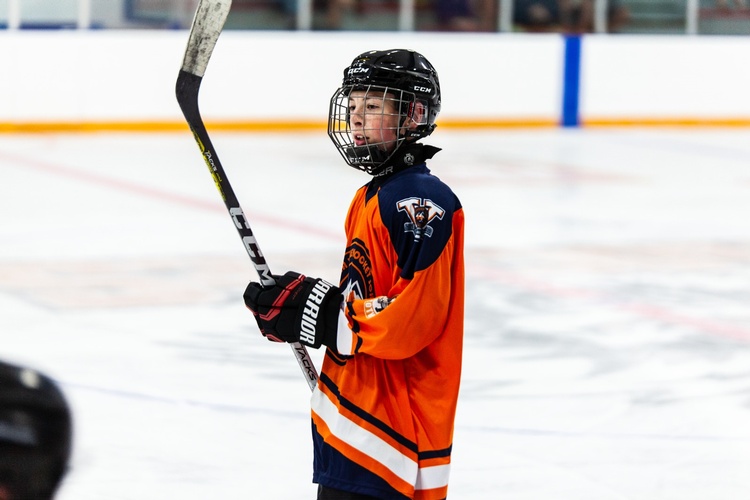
x=318, y=317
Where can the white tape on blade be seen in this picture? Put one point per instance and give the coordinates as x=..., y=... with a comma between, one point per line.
x=208, y=22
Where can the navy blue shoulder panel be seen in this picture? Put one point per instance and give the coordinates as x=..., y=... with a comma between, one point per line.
x=417, y=208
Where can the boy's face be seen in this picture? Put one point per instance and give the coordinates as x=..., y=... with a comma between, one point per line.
x=373, y=119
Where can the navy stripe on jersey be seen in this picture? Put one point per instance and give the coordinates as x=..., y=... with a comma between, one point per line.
x=425, y=455
x=345, y=475
x=336, y=357
x=366, y=416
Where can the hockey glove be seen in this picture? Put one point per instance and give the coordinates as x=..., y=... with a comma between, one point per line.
x=296, y=309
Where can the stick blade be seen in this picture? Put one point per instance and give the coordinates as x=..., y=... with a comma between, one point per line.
x=208, y=23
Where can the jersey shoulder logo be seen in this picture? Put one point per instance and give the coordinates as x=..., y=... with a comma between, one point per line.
x=421, y=213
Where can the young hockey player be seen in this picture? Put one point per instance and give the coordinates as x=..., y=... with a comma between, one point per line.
x=35, y=434
x=383, y=411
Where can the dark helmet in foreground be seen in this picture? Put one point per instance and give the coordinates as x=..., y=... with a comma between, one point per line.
x=35, y=433
x=407, y=82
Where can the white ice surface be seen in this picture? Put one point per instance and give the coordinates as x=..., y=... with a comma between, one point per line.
x=607, y=350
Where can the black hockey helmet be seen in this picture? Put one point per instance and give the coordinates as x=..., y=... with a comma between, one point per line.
x=35, y=433
x=403, y=76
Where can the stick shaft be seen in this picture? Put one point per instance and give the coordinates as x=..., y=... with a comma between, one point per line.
x=208, y=22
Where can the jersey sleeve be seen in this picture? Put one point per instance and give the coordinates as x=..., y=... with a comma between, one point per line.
x=414, y=226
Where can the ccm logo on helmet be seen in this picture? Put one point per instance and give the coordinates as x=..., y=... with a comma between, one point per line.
x=417, y=88
x=354, y=71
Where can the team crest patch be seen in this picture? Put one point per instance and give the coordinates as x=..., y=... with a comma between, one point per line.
x=421, y=213
x=356, y=272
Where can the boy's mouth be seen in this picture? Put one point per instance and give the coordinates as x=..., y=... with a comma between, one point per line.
x=360, y=140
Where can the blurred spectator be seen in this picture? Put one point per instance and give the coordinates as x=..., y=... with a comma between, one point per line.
x=465, y=15
x=577, y=16
x=724, y=4
x=35, y=434
x=449, y=15
x=536, y=16
x=334, y=10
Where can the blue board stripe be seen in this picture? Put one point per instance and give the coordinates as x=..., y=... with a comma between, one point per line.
x=571, y=82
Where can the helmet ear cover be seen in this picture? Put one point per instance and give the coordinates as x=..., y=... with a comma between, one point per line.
x=417, y=112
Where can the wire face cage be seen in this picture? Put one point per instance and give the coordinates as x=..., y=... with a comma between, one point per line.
x=368, y=123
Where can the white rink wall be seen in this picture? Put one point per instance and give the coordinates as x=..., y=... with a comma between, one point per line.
x=129, y=76
x=662, y=77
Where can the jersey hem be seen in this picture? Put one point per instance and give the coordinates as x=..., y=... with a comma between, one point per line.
x=338, y=484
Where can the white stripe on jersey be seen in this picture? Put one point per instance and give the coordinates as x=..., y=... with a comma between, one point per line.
x=363, y=440
x=433, y=477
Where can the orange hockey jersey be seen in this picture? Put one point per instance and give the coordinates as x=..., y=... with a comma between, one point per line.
x=384, y=408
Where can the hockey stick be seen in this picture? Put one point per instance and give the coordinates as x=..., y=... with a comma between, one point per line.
x=208, y=22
